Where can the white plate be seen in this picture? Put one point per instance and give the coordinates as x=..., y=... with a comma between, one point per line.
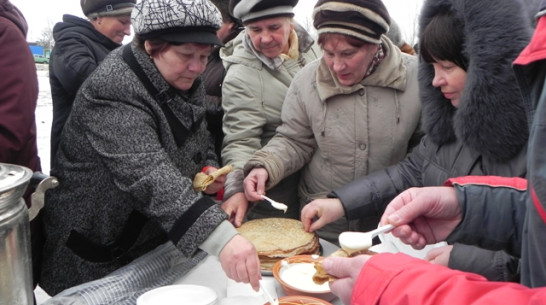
x=178, y=295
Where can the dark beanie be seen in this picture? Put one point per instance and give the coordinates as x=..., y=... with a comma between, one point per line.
x=95, y=8
x=253, y=10
x=177, y=21
x=366, y=20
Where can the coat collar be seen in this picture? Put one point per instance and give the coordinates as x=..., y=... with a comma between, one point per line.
x=391, y=73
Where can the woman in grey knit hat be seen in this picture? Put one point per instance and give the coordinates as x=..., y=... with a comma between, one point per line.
x=354, y=111
x=474, y=118
x=134, y=142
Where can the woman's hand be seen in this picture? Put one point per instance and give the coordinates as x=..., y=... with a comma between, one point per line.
x=240, y=262
x=327, y=210
x=423, y=215
x=439, y=256
x=217, y=185
x=236, y=207
x=254, y=184
x=347, y=270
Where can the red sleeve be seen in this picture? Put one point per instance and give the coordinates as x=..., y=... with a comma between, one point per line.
x=400, y=279
x=493, y=181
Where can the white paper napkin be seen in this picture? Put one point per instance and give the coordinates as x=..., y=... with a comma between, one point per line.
x=243, y=294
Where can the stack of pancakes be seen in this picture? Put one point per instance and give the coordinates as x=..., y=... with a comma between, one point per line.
x=278, y=238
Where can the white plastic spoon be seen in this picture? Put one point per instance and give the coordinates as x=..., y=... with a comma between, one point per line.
x=275, y=204
x=358, y=241
x=272, y=301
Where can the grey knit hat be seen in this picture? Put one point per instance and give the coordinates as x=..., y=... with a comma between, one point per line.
x=97, y=8
x=366, y=20
x=177, y=21
x=253, y=10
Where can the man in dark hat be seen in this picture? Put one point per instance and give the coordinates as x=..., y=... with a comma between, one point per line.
x=260, y=63
x=80, y=45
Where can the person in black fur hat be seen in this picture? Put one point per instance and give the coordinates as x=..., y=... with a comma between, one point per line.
x=473, y=117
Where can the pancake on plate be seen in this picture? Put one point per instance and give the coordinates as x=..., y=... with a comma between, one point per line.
x=278, y=238
x=321, y=276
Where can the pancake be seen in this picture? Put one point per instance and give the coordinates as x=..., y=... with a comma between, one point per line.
x=278, y=238
x=321, y=276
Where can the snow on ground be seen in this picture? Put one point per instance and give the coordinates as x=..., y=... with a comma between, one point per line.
x=44, y=117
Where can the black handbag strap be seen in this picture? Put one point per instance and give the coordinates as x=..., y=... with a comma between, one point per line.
x=180, y=132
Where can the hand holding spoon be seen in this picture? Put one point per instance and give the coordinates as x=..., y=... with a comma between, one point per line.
x=275, y=204
x=358, y=241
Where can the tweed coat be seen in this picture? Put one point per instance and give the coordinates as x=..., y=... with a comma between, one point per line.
x=338, y=133
x=486, y=135
x=118, y=155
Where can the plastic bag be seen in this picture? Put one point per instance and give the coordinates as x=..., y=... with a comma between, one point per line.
x=162, y=266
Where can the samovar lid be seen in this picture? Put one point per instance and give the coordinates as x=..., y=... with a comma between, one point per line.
x=13, y=179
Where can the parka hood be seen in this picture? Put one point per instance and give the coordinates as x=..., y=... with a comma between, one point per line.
x=12, y=13
x=491, y=117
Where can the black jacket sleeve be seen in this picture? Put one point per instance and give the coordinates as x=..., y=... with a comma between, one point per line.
x=494, y=265
x=369, y=195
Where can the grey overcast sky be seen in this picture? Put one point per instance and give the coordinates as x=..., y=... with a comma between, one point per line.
x=42, y=14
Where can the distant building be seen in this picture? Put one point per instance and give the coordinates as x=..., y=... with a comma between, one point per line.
x=36, y=49
x=40, y=55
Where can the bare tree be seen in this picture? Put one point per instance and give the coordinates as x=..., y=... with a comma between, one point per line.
x=412, y=33
x=46, y=40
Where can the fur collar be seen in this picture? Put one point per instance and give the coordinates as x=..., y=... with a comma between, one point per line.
x=491, y=118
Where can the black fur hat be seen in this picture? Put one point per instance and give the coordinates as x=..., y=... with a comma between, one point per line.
x=491, y=117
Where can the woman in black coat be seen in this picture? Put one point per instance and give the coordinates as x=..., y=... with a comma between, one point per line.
x=80, y=46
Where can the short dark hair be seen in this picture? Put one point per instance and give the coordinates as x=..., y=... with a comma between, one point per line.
x=443, y=39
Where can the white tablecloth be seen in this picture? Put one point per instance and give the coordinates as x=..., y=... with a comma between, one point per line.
x=165, y=266
x=209, y=273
